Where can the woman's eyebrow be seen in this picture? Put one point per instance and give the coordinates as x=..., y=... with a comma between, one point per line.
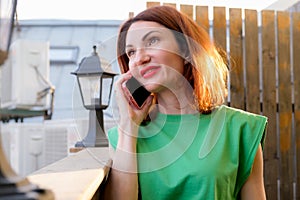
x=128, y=46
x=144, y=37
x=147, y=34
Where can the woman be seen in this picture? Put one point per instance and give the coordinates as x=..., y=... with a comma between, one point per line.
x=182, y=143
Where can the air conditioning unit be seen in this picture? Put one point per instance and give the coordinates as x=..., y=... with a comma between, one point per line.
x=25, y=76
x=24, y=146
x=31, y=146
x=56, y=146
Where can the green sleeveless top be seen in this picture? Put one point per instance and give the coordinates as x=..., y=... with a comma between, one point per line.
x=197, y=156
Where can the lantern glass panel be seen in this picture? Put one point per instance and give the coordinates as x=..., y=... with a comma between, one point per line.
x=90, y=90
x=106, y=89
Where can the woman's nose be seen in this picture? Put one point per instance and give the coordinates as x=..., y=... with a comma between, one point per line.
x=141, y=57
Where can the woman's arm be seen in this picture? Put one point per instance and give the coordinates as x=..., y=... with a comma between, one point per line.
x=254, y=186
x=122, y=182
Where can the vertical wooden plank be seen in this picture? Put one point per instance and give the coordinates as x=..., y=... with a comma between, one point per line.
x=271, y=159
x=131, y=15
x=237, y=92
x=252, y=64
x=170, y=4
x=152, y=4
x=219, y=31
x=219, y=27
x=188, y=10
x=296, y=64
x=202, y=17
x=285, y=105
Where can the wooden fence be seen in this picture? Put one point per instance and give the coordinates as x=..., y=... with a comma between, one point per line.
x=264, y=79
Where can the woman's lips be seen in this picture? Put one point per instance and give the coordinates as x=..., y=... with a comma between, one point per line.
x=149, y=71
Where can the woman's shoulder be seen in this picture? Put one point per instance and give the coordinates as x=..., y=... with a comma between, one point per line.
x=237, y=114
x=243, y=121
x=249, y=125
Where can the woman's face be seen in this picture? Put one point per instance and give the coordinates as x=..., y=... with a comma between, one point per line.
x=154, y=55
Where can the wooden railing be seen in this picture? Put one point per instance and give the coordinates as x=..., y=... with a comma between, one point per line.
x=264, y=49
x=77, y=176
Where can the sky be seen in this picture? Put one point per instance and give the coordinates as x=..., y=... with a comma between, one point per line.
x=111, y=9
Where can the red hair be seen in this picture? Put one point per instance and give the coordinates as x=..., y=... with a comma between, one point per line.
x=206, y=70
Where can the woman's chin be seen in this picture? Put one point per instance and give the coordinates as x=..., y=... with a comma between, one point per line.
x=154, y=88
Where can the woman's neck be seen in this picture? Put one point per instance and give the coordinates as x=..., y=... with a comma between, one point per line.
x=181, y=102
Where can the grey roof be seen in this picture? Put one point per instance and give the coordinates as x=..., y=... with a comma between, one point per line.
x=283, y=5
x=72, y=33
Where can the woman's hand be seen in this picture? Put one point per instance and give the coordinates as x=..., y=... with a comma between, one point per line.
x=130, y=116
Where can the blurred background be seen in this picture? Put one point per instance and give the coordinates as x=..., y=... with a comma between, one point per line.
x=54, y=36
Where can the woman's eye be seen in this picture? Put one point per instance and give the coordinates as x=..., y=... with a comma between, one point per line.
x=152, y=41
x=130, y=53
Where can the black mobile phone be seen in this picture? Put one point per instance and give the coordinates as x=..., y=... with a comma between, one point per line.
x=137, y=91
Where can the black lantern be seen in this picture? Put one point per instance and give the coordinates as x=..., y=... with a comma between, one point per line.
x=95, y=86
x=11, y=185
